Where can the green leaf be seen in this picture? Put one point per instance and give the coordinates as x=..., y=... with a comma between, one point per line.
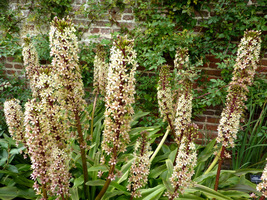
x=4, y=144
x=229, y=182
x=153, y=193
x=109, y=195
x=12, y=168
x=119, y=187
x=96, y=183
x=207, y=152
x=190, y=196
x=78, y=181
x=74, y=193
x=245, y=171
x=210, y=193
x=154, y=173
x=7, y=193
x=139, y=114
x=102, y=168
x=169, y=165
x=235, y=193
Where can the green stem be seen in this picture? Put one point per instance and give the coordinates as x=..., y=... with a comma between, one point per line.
x=214, y=162
x=93, y=114
x=159, y=146
x=83, y=155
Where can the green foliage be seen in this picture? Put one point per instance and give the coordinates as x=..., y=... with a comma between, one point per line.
x=251, y=143
x=15, y=170
x=16, y=88
x=43, y=11
x=159, y=33
x=41, y=43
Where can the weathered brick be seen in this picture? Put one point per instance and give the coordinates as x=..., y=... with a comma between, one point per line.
x=128, y=10
x=213, y=120
x=200, y=125
x=211, y=127
x=127, y=25
x=200, y=119
x=11, y=71
x=262, y=69
x=94, y=30
x=8, y=65
x=105, y=30
x=208, y=112
x=101, y=23
x=2, y=59
x=213, y=72
x=263, y=62
x=212, y=58
x=218, y=112
x=18, y=66
x=128, y=17
x=10, y=59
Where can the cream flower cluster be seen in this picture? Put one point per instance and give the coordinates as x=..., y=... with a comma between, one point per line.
x=184, y=101
x=64, y=49
x=181, y=60
x=119, y=98
x=55, y=88
x=31, y=63
x=244, y=70
x=37, y=139
x=247, y=59
x=100, y=71
x=140, y=167
x=59, y=172
x=164, y=94
x=185, y=163
x=30, y=58
x=14, y=119
x=262, y=187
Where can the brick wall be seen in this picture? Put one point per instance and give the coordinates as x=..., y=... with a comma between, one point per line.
x=103, y=27
x=12, y=67
x=207, y=122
